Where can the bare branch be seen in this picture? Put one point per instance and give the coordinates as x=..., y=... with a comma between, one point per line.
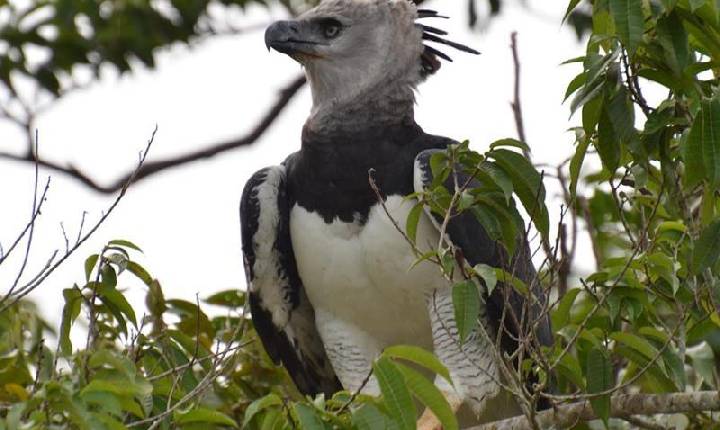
x=622, y=406
x=11, y=298
x=154, y=167
x=516, y=106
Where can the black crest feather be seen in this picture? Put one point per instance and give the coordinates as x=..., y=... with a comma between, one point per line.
x=430, y=57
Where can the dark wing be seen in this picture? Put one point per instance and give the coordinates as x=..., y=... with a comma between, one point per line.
x=283, y=317
x=467, y=234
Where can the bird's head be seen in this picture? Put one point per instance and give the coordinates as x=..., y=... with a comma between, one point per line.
x=351, y=46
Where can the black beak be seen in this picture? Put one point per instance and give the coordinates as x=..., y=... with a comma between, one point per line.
x=286, y=37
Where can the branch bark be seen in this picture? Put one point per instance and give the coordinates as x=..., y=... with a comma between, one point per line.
x=154, y=167
x=622, y=405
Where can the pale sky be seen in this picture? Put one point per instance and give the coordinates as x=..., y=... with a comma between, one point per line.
x=186, y=219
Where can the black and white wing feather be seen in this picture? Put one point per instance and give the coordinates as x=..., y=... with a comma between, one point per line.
x=466, y=233
x=283, y=317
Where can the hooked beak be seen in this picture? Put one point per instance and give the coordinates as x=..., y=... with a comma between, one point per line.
x=286, y=37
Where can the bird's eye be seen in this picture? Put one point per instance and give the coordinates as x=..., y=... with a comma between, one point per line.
x=331, y=28
x=332, y=31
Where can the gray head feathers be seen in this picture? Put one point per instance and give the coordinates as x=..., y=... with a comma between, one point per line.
x=363, y=52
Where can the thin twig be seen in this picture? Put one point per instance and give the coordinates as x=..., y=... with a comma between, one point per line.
x=516, y=105
x=31, y=286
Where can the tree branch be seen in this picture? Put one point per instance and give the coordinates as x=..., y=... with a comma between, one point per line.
x=151, y=168
x=516, y=105
x=622, y=406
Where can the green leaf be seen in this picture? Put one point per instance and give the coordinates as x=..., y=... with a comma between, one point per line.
x=125, y=244
x=90, y=263
x=707, y=248
x=205, y=416
x=635, y=342
x=488, y=275
x=569, y=367
x=395, y=393
x=112, y=297
x=418, y=356
x=629, y=22
x=308, y=417
x=598, y=372
x=232, y=298
x=561, y=315
x=674, y=40
x=576, y=164
x=577, y=82
x=430, y=396
x=499, y=178
x=140, y=272
x=412, y=221
x=528, y=186
x=509, y=279
x=702, y=151
x=108, y=275
x=259, y=405
x=514, y=143
x=591, y=115
x=607, y=143
x=571, y=6
x=71, y=310
x=466, y=303
x=369, y=417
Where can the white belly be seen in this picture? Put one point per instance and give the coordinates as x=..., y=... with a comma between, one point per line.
x=361, y=274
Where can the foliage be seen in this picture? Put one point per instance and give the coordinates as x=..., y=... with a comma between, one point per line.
x=69, y=34
x=651, y=209
x=176, y=367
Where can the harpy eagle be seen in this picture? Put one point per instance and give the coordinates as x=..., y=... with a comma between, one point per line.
x=329, y=285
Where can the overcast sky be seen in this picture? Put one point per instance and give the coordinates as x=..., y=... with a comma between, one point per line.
x=186, y=219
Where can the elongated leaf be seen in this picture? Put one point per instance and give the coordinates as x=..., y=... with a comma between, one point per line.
x=635, y=342
x=419, y=356
x=140, y=272
x=466, y=303
x=571, y=6
x=577, y=82
x=674, y=40
x=412, y=221
x=108, y=275
x=702, y=153
x=430, y=396
x=309, y=420
x=369, y=417
x=598, y=372
x=607, y=143
x=71, y=310
x=395, y=393
x=206, y=416
x=528, y=186
x=561, y=314
x=576, y=164
x=514, y=143
x=259, y=405
x=707, y=248
x=488, y=275
x=629, y=22
x=125, y=244
x=90, y=263
x=111, y=296
x=499, y=178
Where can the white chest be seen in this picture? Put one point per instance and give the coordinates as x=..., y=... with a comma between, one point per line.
x=361, y=273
